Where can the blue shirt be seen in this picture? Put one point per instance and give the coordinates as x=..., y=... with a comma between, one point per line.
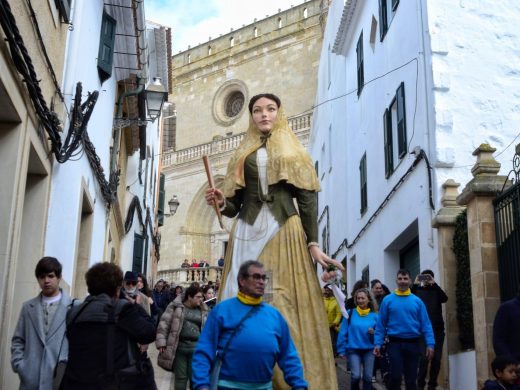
x=403, y=316
x=355, y=335
x=262, y=341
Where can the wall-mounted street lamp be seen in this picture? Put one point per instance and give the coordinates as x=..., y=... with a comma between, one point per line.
x=155, y=95
x=173, y=203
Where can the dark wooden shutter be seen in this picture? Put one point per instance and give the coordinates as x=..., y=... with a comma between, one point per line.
x=137, y=263
x=363, y=183
x=389, y=149
x=360, y=70
x=383, y=19
x=160, y=205
x=106, y=46
x=64, y=9
x=401, y=122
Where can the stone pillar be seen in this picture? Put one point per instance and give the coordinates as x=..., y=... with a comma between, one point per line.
x=444, y=222
x=478, y=196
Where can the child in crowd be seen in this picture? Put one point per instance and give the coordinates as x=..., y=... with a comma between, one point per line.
x=505, y=370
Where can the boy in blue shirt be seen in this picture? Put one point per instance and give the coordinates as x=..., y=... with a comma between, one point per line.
x=504, y=368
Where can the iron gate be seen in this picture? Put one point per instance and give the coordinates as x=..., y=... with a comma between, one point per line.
x=507, y=227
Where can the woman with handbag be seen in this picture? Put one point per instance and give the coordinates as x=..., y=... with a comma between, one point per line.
x=356, y=338
x=178, y=332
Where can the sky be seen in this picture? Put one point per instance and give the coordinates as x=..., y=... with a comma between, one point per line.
x=194, y=21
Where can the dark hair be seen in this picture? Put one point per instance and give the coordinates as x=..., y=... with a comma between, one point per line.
x=501, y=362
x=145, y=290
x=191, y=291
x=243, y=271
x=269, y=96
x=403, y=271
x=104, y=278
x=428, y=272
x=207, y=288
x=373, y=282
x=46, y=265
x=359, y=284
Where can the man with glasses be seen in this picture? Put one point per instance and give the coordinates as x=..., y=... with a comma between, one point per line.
x=250, y=337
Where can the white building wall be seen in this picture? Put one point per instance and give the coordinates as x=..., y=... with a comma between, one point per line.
x=357, y=124
x=65, y=207
x=476, y=74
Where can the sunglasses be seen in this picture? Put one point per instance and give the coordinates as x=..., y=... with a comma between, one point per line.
x=130, y=282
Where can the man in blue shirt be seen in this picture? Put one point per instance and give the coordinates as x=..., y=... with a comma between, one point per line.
x=249, y=354
x=404, y=320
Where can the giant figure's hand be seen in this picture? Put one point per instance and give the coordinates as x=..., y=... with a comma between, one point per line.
x=322, y=258
x=214, y=194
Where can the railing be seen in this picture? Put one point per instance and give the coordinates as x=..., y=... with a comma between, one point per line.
x=299, y=125
x=188, y=275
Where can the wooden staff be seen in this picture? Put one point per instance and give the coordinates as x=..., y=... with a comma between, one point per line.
x=211, y=184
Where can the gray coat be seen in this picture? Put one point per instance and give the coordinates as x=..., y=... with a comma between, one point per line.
x=33, y=354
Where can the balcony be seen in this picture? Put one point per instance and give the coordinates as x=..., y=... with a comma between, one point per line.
x=186, y=276
x=300, y=125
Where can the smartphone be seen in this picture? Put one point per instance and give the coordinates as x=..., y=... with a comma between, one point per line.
x=423, y=278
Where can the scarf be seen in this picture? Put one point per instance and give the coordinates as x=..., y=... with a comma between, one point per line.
x=362, y=312
x=288, y=159
x=248, y=300
x=400, y=293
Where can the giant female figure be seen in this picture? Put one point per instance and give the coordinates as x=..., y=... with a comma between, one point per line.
x=269, y=169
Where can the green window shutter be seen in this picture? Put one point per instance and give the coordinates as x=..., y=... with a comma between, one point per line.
x=395, y=3
x=106, y=46
x=389, y=152
x=363, y=183
x=401, y=121
x=360, y=70
x=160, y=206
x=137, y=263
x=383, y=19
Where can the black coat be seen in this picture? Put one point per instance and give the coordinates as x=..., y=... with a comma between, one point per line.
x=433, y=297
x=87, y=332
x=506, y=334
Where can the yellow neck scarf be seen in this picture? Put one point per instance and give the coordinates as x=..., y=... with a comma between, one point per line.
x=402, y=293
x=362, y=312
x=248, y=300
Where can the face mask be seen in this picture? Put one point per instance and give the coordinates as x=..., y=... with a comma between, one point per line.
x=131, y=290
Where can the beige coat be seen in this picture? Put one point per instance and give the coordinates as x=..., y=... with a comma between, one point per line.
x=169, y=329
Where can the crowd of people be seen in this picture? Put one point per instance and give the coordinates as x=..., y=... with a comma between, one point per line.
x=244, y=342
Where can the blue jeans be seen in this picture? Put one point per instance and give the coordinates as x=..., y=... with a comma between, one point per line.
x=404, y=359
x=356, y=358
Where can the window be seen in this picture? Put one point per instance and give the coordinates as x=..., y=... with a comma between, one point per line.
x=209, y=50
x=305, y=13
x=365, y=274
x=64, y=9
x=387, y=10
x=137, y=263
x=160, y=206
x=395, y=138
x=255, y=32
x=360, y=66
x=363, y=183
x=106, y=47
x=231, y=42
x=189, y=58
x=279, y=22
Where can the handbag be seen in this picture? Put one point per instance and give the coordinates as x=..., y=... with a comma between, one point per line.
x=219, y=358
x=139, y=374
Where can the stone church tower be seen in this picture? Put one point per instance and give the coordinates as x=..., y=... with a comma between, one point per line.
x=212, y=84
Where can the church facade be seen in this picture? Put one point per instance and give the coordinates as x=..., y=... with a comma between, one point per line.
x=212, y=85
